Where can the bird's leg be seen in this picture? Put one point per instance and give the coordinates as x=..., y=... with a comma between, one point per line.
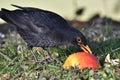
x=48, y=54
x=35, y=58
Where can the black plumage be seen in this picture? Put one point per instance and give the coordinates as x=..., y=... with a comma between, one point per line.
x=42, y=28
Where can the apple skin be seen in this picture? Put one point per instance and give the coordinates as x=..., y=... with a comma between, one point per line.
x=81, y=60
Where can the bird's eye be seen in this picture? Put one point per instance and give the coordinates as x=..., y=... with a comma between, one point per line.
x=79, y=40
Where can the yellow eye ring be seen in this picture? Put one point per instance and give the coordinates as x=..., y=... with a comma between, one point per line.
x=79, y=40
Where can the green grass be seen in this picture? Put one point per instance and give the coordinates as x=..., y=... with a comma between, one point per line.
x=16, y=63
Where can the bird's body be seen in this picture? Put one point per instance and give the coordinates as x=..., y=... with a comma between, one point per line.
x=41, y=28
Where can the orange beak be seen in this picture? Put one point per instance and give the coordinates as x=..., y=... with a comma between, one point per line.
x=86, y=48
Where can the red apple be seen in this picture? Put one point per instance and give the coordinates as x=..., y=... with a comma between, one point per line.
x=81, y=60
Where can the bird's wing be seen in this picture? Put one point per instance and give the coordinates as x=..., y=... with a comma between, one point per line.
x=34, y=19
x=43, y=16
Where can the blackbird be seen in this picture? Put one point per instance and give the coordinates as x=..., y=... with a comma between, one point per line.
x=42, y=28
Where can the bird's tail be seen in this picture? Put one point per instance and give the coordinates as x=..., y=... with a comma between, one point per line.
x=15, y=17
x=0, y=14
x=5, y=15
x=4, y=12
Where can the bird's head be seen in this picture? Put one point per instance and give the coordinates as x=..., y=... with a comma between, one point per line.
x=78, y=39
x=82, y=43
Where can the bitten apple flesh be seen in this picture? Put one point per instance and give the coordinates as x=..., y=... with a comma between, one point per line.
x=81, y=60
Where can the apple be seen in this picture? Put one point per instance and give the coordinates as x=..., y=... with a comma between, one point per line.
x=82, y=60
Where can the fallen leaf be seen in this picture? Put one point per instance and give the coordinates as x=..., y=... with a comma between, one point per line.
x=109, y=62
